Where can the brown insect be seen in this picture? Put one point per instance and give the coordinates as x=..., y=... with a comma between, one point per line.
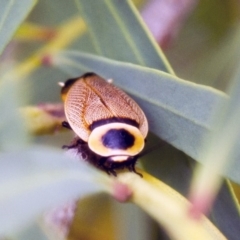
x=110, y=127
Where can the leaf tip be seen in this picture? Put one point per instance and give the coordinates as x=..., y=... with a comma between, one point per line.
x=46, y=60
x=201, y=204
x=121, y=192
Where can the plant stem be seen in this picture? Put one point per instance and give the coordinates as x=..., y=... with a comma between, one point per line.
x=168, y=208
x=64, y=36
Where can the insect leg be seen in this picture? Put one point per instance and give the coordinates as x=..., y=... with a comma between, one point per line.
x=66, y=125
x=132, y=164
x=107, y=166
x=74, y=144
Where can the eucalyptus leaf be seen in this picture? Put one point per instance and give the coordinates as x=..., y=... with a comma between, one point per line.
x=174, y=168
x=178, y=111
x=53, y=12
x=128, y=217
x=112, y=29
x=221, y=148
x=225, y=212
x=13, y=132
x=39, y=178
x=12, y=13
x=33, y=231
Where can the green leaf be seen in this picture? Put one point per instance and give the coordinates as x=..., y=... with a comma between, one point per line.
x=225, y=212
x=221, y=148
x=124, y=214
x=12, y=13
x=39, y=178
x=33, y=231
x=112, y=23
x=174, y=168
x=13, y=132
x=178, y=111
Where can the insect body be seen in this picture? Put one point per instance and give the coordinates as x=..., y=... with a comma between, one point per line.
x=110, y=127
